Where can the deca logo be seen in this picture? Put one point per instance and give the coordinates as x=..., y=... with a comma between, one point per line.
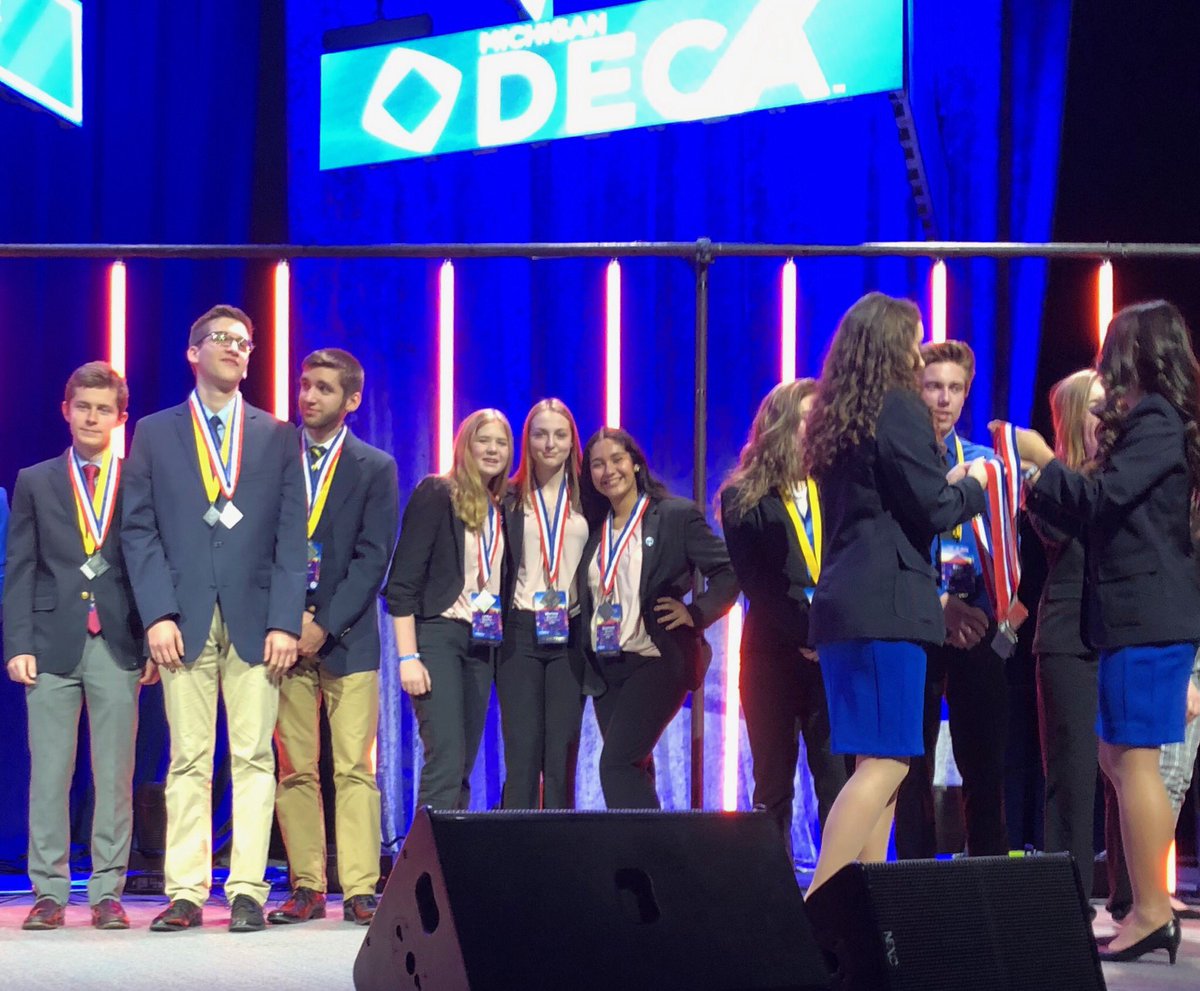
x=605, y=81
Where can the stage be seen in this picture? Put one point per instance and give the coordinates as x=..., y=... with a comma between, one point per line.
x=317, y=955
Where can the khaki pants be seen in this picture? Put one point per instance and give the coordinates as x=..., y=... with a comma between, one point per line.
x=352, y=704
x=251, y=707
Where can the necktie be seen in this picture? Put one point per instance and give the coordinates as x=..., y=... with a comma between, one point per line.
x=217, y=428
x=93, y=620
x=315, y=453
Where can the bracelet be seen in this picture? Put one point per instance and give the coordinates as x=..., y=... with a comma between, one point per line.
x=410, y=657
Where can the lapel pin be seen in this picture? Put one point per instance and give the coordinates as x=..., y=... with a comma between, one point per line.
x=649, y=541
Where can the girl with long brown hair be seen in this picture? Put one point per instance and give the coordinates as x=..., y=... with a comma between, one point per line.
x=540, y=666
x=771, y=516
x=1141, y=589
x=870, y=444
x=443, y=594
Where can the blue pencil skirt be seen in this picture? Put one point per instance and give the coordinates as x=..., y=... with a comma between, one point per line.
x=876, y=693
x=1143, y=694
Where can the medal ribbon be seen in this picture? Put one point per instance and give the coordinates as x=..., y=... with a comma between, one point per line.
x=997, y=538
x=219, y=469
x=608, y=562
x=318, y=495
x=489, y=547
x=95, y=512
x=810, y=549
x=958, y=450
x=552, y=530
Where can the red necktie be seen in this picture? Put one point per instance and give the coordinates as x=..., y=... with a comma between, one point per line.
x=93, y=621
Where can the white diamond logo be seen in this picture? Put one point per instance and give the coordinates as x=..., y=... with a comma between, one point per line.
x=442, y=76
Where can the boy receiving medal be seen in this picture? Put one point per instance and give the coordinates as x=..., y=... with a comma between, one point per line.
x=353, y=512
x=72, y=637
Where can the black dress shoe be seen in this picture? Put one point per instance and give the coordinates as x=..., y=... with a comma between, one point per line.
x=303, y=904
x=1166, y=937
x=180, y=914
x=108, y=914
x=360, y=909
x=45, y=914
x=245, y=915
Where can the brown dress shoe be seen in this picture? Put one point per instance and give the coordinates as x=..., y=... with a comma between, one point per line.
x=45, y=914
x=108, y=914
x=302, y=904
x=360, y=909
x=180, y=914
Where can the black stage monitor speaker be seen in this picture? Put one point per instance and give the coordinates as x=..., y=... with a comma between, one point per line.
x=974, y=924
x=579, y=900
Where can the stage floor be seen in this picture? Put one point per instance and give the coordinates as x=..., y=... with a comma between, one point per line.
x=317, y=955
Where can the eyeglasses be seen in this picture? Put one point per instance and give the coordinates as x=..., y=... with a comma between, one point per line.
x=223, y=338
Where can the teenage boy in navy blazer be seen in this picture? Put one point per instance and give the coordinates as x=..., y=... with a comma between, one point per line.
x=965, y=668
x=72, y=636
x=214, y=541
x=353, y=513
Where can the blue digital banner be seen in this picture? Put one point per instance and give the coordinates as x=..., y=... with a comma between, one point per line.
x=637, y=65
x=41, y=53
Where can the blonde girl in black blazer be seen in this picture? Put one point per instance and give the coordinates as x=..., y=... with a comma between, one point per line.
x=443, y=594
x=643, y=549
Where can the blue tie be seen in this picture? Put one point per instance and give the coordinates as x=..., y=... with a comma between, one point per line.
x=217, y=428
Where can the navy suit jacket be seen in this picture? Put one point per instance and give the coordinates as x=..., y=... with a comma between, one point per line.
x=357, y=532
x=1140, y=580
x=45, y=595
x=884, y=500
x=181, y=568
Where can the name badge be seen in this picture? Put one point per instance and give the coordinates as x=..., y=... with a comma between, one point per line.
x=313, y=565
x=607, y=628
x=958, y=568
x=487, y=626
x=94, y=566
x=230, y=516
x=550, y=616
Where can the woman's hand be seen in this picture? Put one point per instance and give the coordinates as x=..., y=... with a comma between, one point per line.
x=1193, y=701
x=976, y=471
x=672, y=613
x=414, y=677
x=958, y=472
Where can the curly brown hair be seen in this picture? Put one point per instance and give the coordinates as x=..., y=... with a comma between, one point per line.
x=873, y=351
x=1148, y=347
x=771, y=458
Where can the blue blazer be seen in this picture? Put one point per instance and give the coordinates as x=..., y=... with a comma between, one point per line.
x=46, y=598
x=1140, y=582
x=357, y=532
x=180, y=567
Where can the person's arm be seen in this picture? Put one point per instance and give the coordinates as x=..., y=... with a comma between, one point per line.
x=141, y=542
x=3, y=541
x=742, y=532
x=707, y=552
x=356, y=592
x=20, y=565
x=414, y=550
x=286, y=599
x=913, y=474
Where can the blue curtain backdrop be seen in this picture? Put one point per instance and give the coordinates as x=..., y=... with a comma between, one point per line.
x=185, y=141
x=989, y=76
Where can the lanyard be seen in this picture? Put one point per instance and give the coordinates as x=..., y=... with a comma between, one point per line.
x=958, y=449
x=811, y=549
x=552, y=530
x=608, y=562
x=218, y=468
x=94, y=512
x=317, y=491
x=489, y=547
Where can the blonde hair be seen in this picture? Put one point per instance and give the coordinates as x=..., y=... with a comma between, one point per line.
x=771, y=458
x=1068, y=408
x=523, y=478
x=468, y=493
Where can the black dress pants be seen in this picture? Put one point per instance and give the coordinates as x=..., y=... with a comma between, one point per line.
x=977, y=693
x=1067, y=702
x=541, y=709
x=642, y=697
x=783, y=698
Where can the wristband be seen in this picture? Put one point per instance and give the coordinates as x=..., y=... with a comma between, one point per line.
x=410, y=657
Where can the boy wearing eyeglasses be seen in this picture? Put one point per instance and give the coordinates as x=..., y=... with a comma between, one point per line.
x=214, y=537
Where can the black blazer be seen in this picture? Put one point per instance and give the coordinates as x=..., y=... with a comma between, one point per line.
x=771, y=571
x=1140, y=580
x=427, y=568
x=675, y=540
x=45, y=593
x=357, y=533
x=1061, y=602
x=884, y=501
